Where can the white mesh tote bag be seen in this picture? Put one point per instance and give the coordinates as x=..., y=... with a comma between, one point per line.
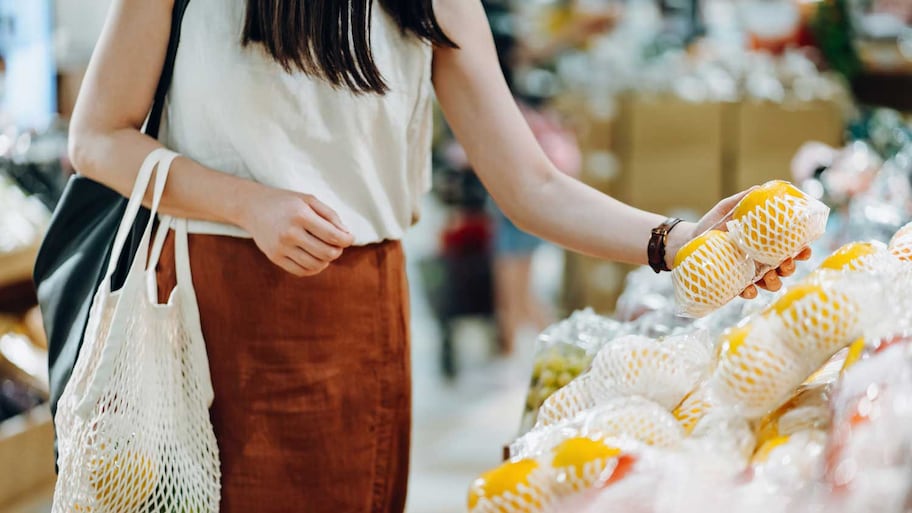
x=133, y=421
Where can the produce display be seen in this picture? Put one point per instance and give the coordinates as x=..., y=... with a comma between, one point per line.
x=770, y=224
x=788, y=404
x=564, y=351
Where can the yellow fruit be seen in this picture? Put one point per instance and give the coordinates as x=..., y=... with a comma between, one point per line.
x=123, y=482
x=710, y=271
x=582, y=463
x=508, y=488
x=659, y=371
x=850, y=257
x=767, y=448
x=757, y=199
x=693, y=408
x=580, y=395
x=756, y=370
x=819, y=320
x=856, y=351
x=775, y=222
x=806, y=409
x=901, y=243
x=634, y=418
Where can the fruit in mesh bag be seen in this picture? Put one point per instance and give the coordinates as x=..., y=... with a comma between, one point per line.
x=855, y=256
x=818, y=318
x=790, y=460
x=122, y=482
x=579, y=396
x=581, y=463
x=756, y=371
x=634, y=418
x=808, y=408
x=659, y=371
x=554, y=369
x=710, y=271
x=901, y=243
x=696, y=405
x=521, y=486
x=775, y=222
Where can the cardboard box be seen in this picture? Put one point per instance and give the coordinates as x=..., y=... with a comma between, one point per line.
x=592, y=282
x=26, y=455
x=68, y=83
x=763, y=138
x=16, y=266
x=670, y=153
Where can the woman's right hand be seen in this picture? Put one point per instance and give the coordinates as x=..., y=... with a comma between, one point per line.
x=295, y=231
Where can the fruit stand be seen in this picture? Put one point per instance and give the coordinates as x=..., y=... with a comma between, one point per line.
x=796, y=401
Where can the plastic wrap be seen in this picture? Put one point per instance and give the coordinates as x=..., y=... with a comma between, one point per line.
x=869, y=453
x=663, y=371
x=580, y=395
x=772, y=223
x=633, y=418
x=520, y=486
x=581, y=463
x=563, y=352
x=756, y=370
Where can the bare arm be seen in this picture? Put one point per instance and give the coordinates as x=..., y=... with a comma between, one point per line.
x=106, y=145
x=530, y=190
x=105, y=142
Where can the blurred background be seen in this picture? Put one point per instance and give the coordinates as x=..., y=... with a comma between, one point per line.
x=668, y=105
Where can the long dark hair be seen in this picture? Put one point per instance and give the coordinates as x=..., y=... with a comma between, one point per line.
x=331, y=38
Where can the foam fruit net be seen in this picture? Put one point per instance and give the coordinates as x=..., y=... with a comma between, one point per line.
x=711, y=276
x=779, y=228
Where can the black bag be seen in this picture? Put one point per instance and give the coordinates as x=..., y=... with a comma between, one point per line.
x=76, y=248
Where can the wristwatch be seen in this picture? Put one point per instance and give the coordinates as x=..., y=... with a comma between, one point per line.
x=655, y=251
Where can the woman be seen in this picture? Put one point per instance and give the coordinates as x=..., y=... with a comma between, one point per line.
x=305, y=126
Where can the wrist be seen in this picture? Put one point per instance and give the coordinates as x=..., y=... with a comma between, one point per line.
x=242, y=210
x=677, y=238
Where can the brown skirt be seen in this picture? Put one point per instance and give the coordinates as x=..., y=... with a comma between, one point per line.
x=311, y=377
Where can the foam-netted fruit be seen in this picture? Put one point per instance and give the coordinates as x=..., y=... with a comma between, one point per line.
x=854, y=256
x=659, y=371
x=581, y=463
x=776, y=221
x=634, y=418
x=818, y=319
x=710, y=271
x=514, y=487
x=756, y=370
x=580, y=395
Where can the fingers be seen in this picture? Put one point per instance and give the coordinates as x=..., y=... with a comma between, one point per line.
x=327, y=213
x=319, y=249
x=321, y=228
x=770, y=281
x=787, y=268
x=725, y=206
x=292, y=267
x=311, y=264
x=804, y=255
x=749, y=293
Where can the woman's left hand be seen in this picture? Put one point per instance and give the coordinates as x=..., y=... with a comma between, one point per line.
x=770, y=281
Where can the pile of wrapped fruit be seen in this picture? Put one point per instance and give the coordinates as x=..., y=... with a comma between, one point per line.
x=802, y=404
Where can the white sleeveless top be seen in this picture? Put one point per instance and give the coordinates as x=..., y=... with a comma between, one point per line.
x=234, y=109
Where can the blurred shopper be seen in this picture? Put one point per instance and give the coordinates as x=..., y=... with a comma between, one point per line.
x=517, y=305
x=305, y=127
